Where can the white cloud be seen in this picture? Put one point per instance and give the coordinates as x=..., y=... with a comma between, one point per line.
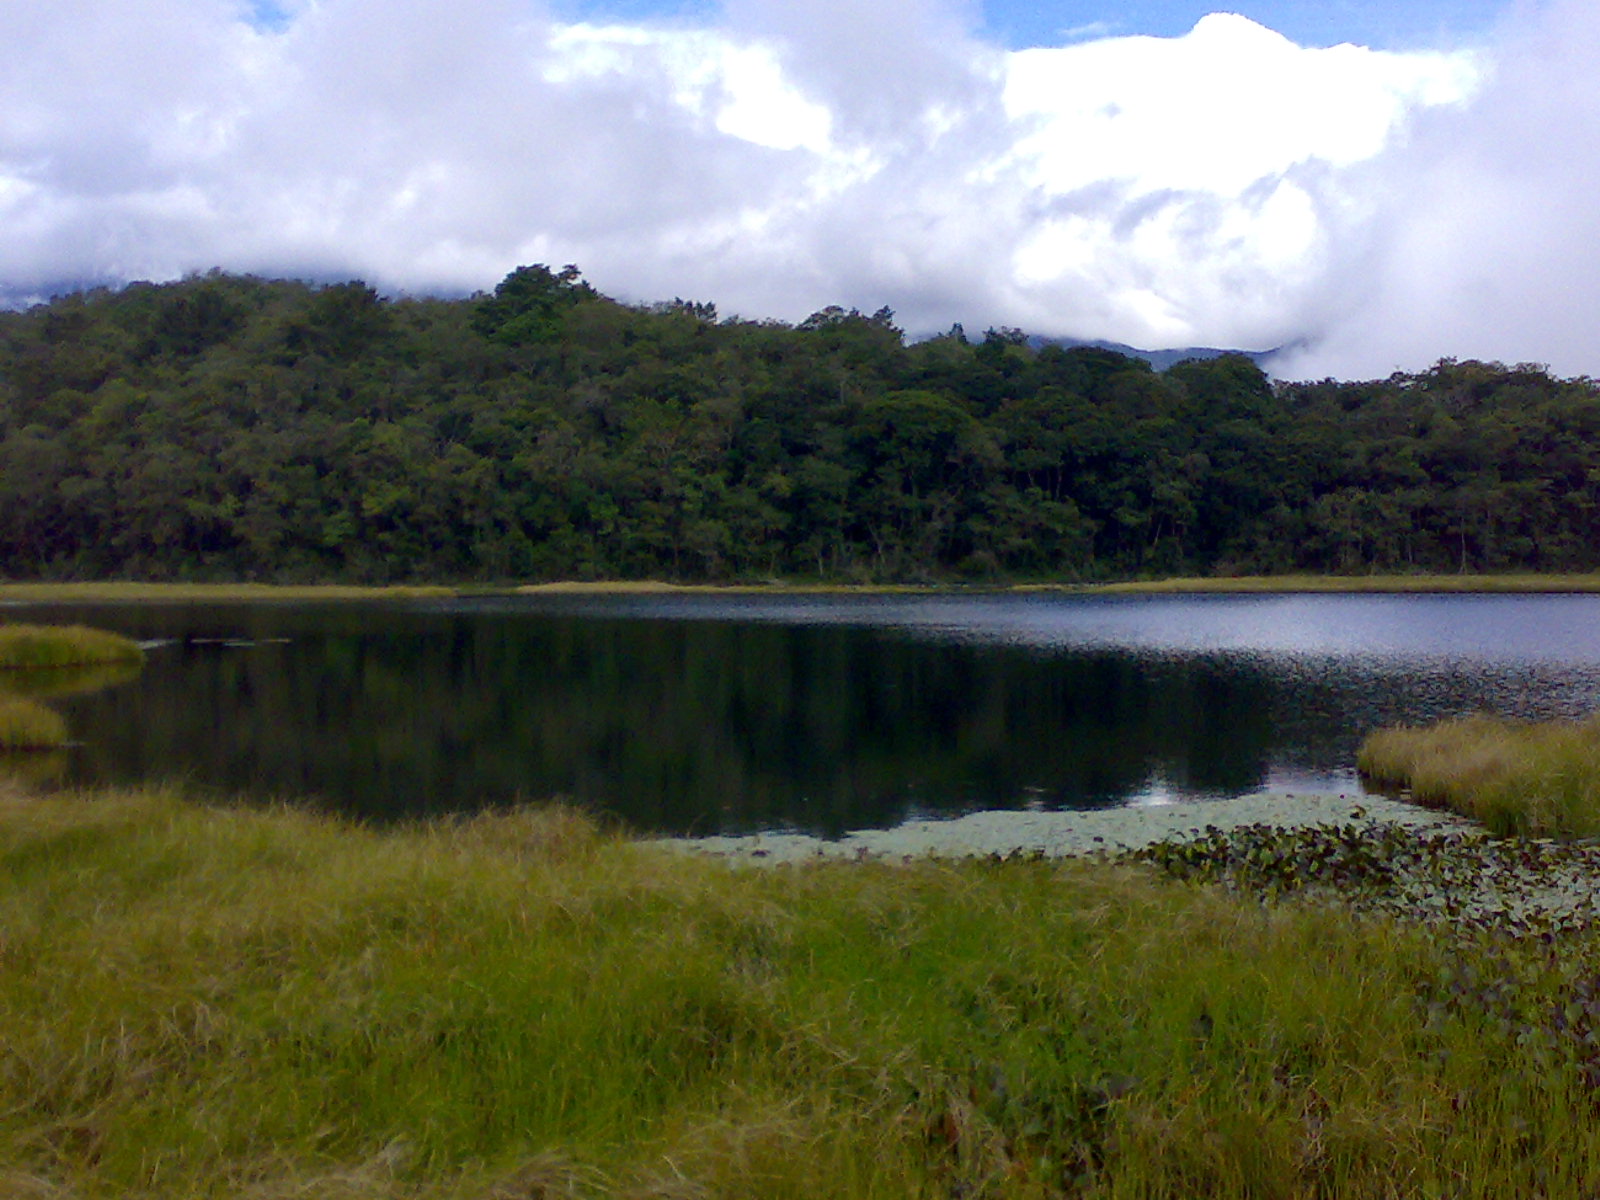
x=1181, y=182
x=1484, y=239
x=1227, y=187
x=1215, y=110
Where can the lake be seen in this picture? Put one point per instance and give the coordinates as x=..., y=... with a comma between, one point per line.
x=705, y=713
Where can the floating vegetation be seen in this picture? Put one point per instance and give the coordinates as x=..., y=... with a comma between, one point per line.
x=1470, y=880
x=35, y=647
x=1532, y=778
x=1516, y=920
x=28, y=725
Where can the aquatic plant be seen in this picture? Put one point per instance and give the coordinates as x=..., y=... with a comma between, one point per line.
x=1519, y=919
x=31, y=647
x=1465, y=878
x=1465, y=883
x=1530, y=778
x=28, y=725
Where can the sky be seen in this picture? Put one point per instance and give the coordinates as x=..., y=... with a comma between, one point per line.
x=1372, y=186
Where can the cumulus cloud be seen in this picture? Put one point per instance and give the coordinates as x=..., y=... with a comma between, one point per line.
x=1185, y=185
x=1482, y=235
x=1227, y=187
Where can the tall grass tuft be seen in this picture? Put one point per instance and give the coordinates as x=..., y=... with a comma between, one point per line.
x=32, y=647
x=28, y=725
x=203, y=1003
x=1539, y=779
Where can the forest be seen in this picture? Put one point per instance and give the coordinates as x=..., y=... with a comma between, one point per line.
x=230, y=427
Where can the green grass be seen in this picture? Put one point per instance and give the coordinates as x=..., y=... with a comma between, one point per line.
x=51, y=647
x=28, y=725
x=198, y=1002
x=1539, y=779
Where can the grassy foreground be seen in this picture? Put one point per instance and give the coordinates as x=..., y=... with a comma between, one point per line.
x=1538, y=778
x=201, y=1002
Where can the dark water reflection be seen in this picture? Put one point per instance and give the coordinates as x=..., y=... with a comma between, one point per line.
x=685, y=713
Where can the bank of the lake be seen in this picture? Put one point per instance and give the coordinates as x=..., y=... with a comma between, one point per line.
x=1340, y=584
x=1211, y=585
x=205, y=1002
x=117, y=591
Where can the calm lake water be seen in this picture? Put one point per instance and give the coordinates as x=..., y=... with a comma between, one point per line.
x=732, y=714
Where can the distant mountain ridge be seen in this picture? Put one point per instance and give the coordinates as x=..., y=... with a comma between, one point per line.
x=1159, y=360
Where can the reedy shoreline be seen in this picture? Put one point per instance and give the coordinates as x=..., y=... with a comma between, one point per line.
x=1518, y=778
x=119, y=591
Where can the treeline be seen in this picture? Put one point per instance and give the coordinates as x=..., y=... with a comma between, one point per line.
x=231, y=427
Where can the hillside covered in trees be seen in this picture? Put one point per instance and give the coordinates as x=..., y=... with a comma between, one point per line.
x=230, y=427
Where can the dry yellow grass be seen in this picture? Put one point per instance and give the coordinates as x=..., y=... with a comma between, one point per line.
x=1360, y=583
x=651, y=587
x=1533, y=778
x=1244, y=584
x=122, y=590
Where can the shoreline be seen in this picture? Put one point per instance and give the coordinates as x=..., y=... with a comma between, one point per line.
x=127, y=591
x=1070, y=833
x=1509, y=584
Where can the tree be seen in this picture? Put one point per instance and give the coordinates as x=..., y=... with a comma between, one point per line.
x=342, y=322
x=530, y=305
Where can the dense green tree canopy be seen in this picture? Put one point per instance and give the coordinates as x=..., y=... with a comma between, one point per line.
x=235, y=427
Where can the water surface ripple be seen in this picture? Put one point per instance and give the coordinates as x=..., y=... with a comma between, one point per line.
x=711, y=713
